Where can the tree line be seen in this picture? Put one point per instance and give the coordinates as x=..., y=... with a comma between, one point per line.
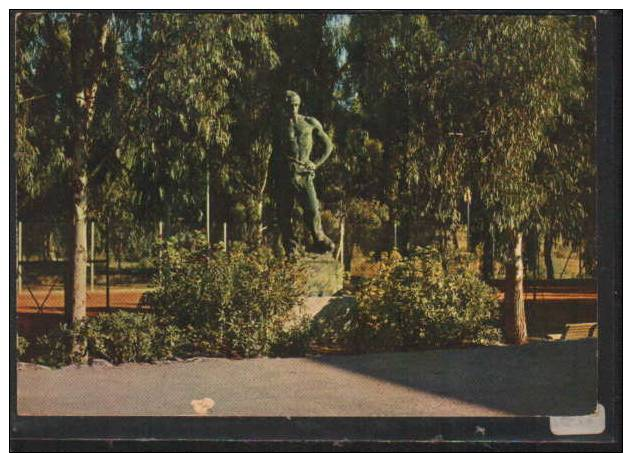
x=130, y=116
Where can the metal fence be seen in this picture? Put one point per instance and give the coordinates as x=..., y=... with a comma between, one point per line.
x=120, y=266
x=120, y=259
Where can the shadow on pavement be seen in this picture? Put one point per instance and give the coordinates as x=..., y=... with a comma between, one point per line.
x=544, y=378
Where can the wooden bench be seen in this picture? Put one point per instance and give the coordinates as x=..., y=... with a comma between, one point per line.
x=576, y=331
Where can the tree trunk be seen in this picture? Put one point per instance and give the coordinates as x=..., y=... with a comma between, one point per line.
x=455, y=241
x=487, y=263
x=514, y=318
x=83, y=92
x=50, y=247
x=588, y=258
x=259, y=223
x=75, y=303
x=532, y=249
x=348, y=253
x=548, y=257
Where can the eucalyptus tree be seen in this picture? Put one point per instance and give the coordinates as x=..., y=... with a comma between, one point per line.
x=62, y=61
x=182, y=129
x=252, y=107
x=399, y=68
x=39, y=149
x=524, y=71
x=468, y=102
x=568, y=169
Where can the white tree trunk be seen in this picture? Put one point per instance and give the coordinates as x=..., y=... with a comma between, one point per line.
x=515, y=323
x=78, y=259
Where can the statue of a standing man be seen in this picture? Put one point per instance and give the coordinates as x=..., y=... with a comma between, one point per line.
x=295, y=174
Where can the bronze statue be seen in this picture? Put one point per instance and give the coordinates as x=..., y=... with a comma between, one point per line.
x=295, y=172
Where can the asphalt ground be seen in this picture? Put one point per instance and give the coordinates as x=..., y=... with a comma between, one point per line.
x=541, y=378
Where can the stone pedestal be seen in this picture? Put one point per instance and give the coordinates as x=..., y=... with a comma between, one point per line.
x=324, y=274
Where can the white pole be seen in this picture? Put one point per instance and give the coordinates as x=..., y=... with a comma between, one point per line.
x=19, y=257
x=160, y=248
x=468, y=226
x=342, y=241
x=395, y=235
x=92, y=256
x=208, y=207
x=225, y=237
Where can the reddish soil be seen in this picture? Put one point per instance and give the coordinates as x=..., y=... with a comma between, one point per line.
x=32, y=322
x=549, y=305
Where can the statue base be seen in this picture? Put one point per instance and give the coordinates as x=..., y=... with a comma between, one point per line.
x=324, y=274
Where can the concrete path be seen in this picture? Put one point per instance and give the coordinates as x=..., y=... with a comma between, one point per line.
x=557, y=378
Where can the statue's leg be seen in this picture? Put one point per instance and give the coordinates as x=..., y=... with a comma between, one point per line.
x=311, y=214
x=285, y=206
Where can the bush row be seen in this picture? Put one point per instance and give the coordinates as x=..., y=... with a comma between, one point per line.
x=120, y=336
x=240, y=304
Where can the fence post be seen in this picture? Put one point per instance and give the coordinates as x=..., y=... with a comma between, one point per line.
x=395, y=235
x=467, y=197
x=493, y=253
x=19, y=257
x=161, y=246
x=92, y=256
x=208, y=207
x=342, y=242
x=107, y=265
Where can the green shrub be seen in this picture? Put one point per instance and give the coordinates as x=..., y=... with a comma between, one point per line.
x=426, y=299
x=123, y=336
x=21, y=347
x=118, y=337
x=336, y=325
x=55, y=348
x=233, y=303
x=294, y=340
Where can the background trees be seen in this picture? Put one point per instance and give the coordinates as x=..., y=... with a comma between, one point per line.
x=136, y=118
x=527, y=79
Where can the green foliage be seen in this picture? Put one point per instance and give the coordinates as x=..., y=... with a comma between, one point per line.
x=397, y=64
x=55, y=348
x=426, y=299
x=184, y=115
x=337, y=326
x=118, y=337
x=21, y=347
x=530, y=75
x=233, y=303
x=366, y=221
x=394, y=90
x=420, y=107
x=122, y=336
x=294, y=340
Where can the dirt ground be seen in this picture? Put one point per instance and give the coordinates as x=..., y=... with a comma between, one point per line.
x=549, y=305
